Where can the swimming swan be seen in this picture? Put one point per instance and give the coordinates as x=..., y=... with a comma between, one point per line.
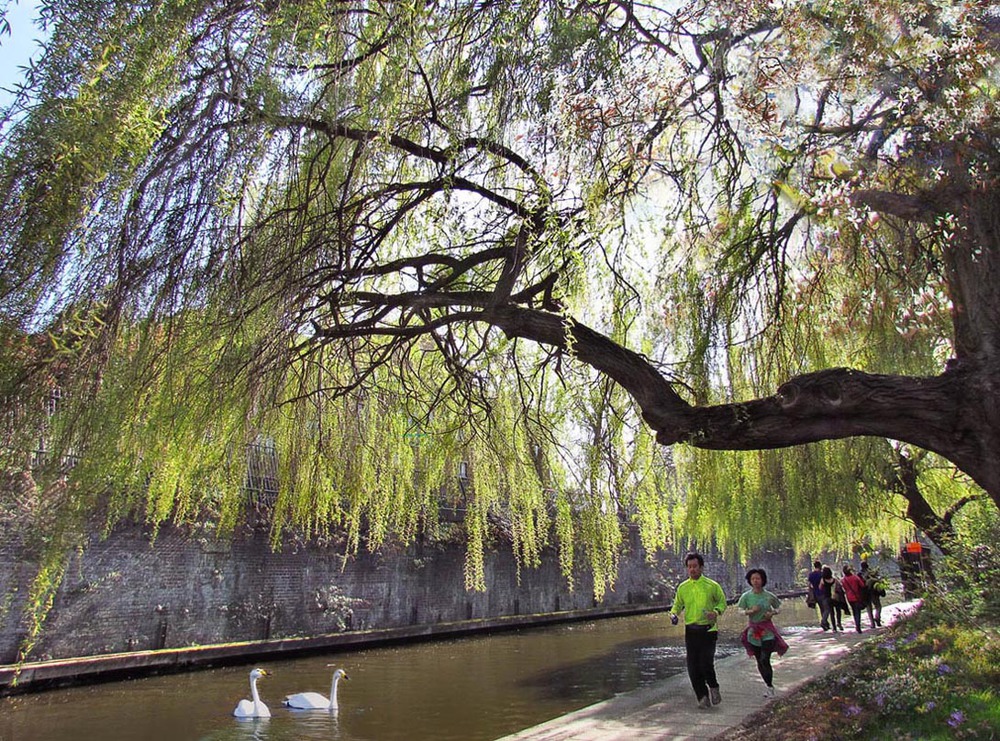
x=255, y=709
x=314, y=700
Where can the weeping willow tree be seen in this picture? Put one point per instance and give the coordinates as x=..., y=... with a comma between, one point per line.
x=535, y=236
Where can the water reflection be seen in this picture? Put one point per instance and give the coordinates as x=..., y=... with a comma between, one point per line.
x=308, y=725
x=470, y=689
x=624, y=667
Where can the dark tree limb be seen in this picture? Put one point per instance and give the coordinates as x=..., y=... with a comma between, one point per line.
x=937, y=413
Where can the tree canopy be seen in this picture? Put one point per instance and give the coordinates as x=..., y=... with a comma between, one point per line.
x=387, y=238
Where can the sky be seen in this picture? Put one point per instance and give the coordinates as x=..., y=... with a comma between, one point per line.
x=17, y=48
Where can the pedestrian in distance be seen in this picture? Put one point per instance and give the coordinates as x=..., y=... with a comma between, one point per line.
x=854, y=588
x=819, y=596
x=812, y=593
x=761, y=637
x=702, y=601
x=813, y=579
x=874, y=592
x=833, y=595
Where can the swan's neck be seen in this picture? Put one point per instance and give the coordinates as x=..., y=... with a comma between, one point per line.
x=333, y=692
x=255, y=695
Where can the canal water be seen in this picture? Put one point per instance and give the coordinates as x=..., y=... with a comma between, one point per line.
x=466, y=689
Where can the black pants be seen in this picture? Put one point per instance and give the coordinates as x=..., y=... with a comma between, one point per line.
x=700, y=644
x=856, y=608
x=825, y=612
x=875, y=609
x=839, y=608
x=763, y=653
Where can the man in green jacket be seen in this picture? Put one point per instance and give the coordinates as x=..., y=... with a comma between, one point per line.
x=702, y=601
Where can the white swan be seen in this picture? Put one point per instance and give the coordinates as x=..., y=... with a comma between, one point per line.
x=314, y=700
x=254, y=708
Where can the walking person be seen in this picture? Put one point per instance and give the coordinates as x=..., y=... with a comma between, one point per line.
x=833, y=595
x=761, y=638
x=814, y=595
x=702, y=601
x=874, y=591
x=854, y=588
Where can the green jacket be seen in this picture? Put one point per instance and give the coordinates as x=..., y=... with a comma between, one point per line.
x=695, y=597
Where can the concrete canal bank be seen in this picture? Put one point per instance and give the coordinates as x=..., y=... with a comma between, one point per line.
x=130, y=601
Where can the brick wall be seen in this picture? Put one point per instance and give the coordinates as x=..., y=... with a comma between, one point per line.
x=126, y=592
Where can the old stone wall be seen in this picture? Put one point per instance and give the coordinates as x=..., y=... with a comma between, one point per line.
x=131, y=592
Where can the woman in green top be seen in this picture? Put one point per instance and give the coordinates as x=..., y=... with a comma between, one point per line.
x=761, y=637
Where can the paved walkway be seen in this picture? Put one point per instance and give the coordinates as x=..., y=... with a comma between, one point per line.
x=667, y=711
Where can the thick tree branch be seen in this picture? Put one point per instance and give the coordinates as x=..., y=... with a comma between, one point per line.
x=830, y=404
x=939, y=413
x=924, y=207
x=629, y=369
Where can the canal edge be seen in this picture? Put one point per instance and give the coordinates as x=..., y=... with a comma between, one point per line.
x=38, y=676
